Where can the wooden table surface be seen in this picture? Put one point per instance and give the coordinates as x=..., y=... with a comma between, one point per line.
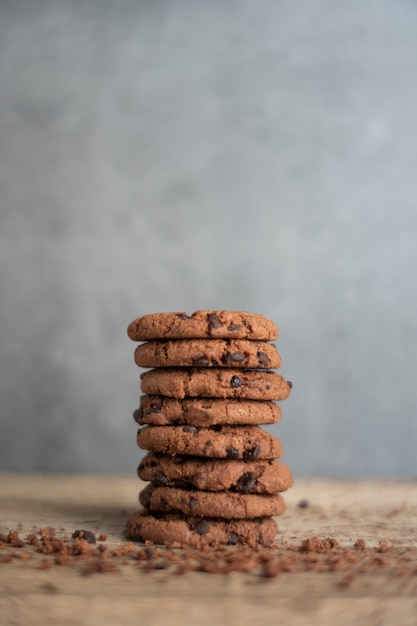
x=374, y=511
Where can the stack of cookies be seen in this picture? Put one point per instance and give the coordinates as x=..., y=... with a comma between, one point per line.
x=212, y=470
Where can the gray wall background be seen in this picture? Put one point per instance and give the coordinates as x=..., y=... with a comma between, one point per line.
x=178, y=155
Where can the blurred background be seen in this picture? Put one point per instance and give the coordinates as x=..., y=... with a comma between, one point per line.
x=182, y=155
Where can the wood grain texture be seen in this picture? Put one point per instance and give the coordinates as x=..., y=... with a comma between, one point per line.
x=345, y=510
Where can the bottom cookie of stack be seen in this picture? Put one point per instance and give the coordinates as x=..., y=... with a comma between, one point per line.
x=184, y=531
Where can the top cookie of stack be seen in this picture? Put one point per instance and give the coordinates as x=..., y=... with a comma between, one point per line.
x=209, y=389
x=202, y=325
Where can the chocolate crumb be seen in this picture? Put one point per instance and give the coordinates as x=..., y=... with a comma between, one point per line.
x=303, y=503
x=84, y=534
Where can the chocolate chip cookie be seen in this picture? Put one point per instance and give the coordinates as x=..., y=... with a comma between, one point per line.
x=215, y=382
x=175, y=528
x=222, y=504
x=161, y=410
x=240, y=353
x=202, y=325
x=228, y=442
x=260, y=476
x=212, y=473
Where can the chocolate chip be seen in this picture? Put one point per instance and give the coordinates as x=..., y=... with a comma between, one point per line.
x=234, y=327
x=145, y=497
x=163, y=503
x=183, y=316
x=289, y=383
x=137, y=415
x=155, y=406
x=251, y=454
x=202, y=527
x=232, y=453
x=141, y=467
x=192, y=503
x=182, y=484
x=213, y=321
x=233, y=539
x=160, y=479
x=234, y=357
x=190, y=429
x=263, y=358
x=246, y=483
x=235, y=381
x=84, y=534
x=202, y=362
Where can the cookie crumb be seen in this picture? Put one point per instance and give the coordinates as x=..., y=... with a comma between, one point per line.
x=313, y=555
x=360, y=544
